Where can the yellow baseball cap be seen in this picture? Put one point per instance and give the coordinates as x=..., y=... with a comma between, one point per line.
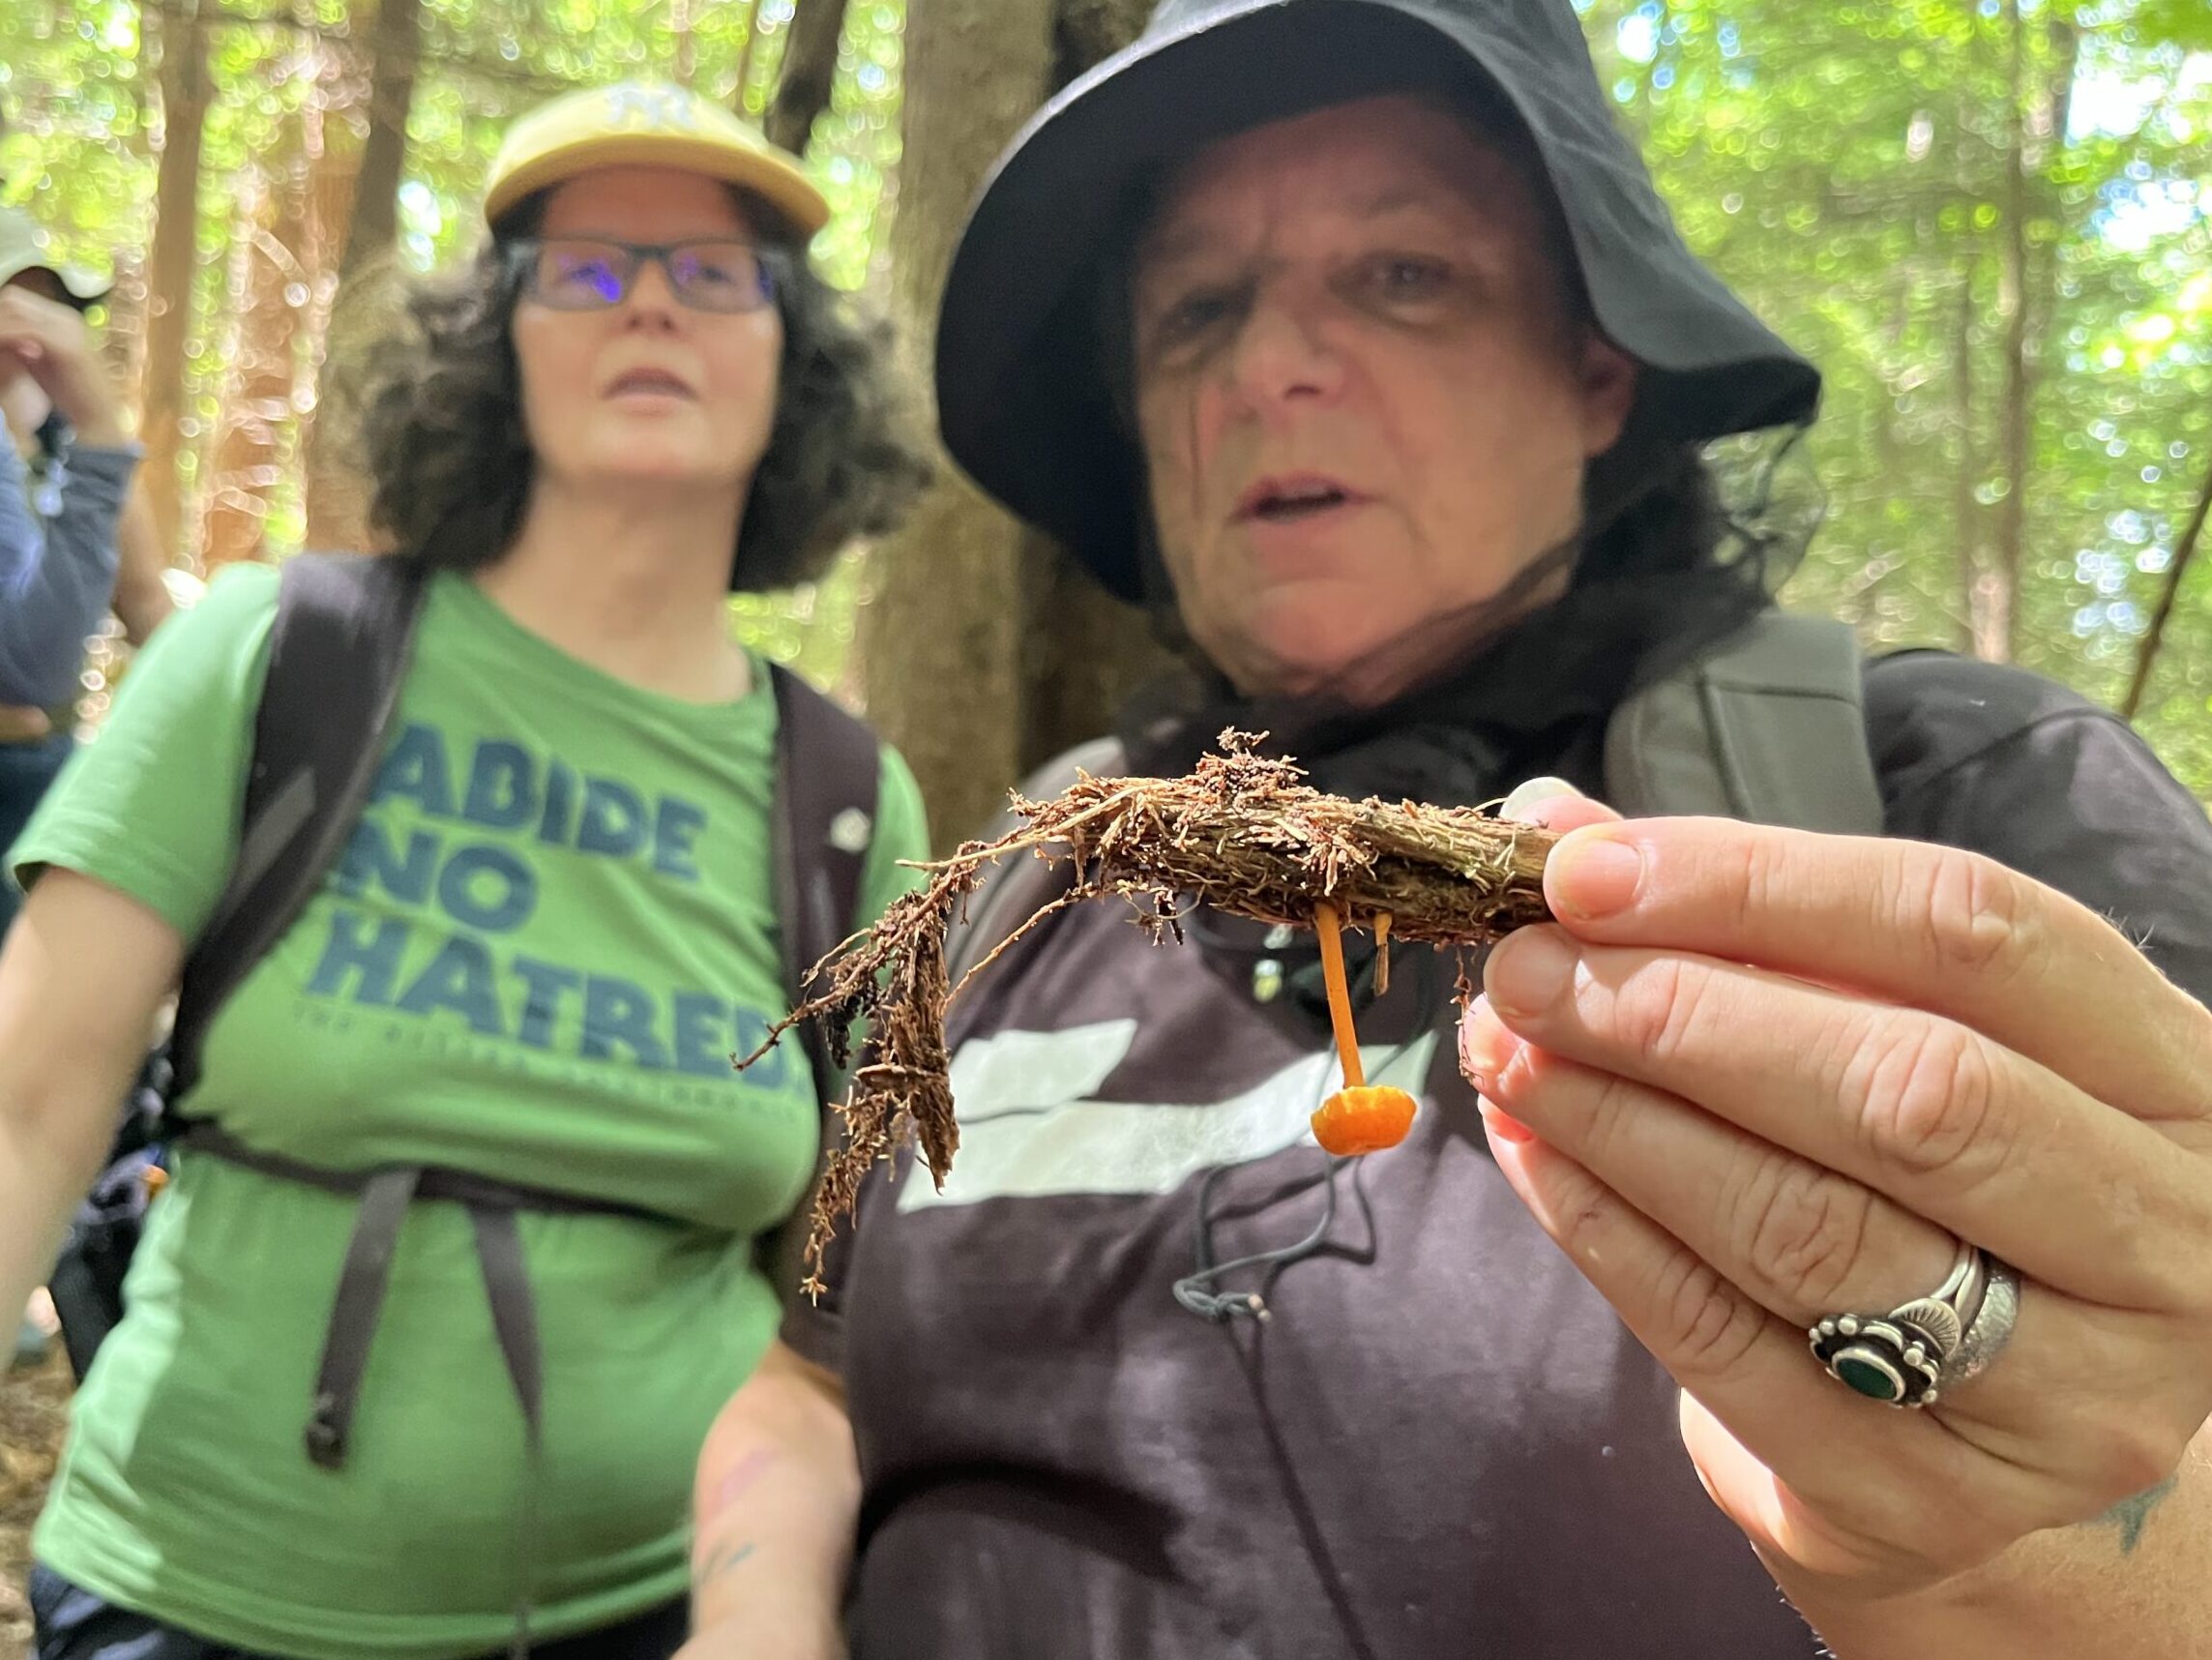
x=648, y=124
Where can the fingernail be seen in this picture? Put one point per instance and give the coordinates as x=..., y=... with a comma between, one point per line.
x=1530, y=971
x=1534, y=792
x=1593, y=875
x=1485, y=1045
x=1503, y=1124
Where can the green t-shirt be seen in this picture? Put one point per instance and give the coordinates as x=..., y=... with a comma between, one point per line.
x=548, y=935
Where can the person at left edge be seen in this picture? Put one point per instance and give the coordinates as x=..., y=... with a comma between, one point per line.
x=75, y=539
x=550, y=930
x=66, y=519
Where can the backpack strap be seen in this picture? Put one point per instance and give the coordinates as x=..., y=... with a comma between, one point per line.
x=826, y=783
x=338, y=653
x=1769, y=726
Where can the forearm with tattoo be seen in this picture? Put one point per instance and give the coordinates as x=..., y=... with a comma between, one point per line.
x=773, y=1507
x=721, y=1550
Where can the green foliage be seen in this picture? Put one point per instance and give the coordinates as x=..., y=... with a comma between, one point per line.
x=1844, y=166
x=77, y=146
x=488, y=60
x=82, y=94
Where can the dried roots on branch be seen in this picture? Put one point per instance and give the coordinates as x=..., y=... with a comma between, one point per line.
x=1240, y=834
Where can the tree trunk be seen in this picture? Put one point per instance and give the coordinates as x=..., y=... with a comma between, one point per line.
x=985, y=650
x=123, y=337
x=333, y=498
x=353, y=228
x=2065, y=66
x=271, y=290
x=940, y=641
x=1970, y=519
x=2184, y=550
x=809, y=68
x=683, y=65
x=1085, y=31
x=1087, y=650
x=748, y=55
x=375, y=219
x=1997, y=620
x=1966, y=506
x=173, y=261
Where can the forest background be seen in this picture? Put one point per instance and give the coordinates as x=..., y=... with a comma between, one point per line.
x=1988, y=220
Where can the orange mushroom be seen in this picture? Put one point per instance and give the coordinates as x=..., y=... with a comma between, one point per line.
x=1360, y=1118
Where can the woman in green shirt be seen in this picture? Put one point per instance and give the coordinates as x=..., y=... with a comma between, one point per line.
x=551, y=928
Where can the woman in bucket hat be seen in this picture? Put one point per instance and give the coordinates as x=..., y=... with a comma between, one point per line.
x=1353, y=331
x=515, y=993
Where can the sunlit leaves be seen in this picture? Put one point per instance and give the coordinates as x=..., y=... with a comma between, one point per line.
x=80, y=88
x=1844, y=166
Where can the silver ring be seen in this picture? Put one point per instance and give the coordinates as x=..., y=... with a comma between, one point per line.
x=1901, y=1359
x=1992, y=1327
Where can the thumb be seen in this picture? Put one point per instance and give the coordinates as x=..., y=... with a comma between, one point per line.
x=1554, y=804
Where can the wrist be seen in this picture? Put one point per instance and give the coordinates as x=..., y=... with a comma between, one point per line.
x=90, y=407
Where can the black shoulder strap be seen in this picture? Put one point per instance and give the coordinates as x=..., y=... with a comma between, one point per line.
x=826, y=783
x=1769, y=726
x=338, y=653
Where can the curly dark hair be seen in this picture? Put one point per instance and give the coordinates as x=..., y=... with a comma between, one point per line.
x=436, y=410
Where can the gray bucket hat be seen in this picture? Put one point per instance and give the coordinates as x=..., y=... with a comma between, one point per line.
x=23, y=247
x=1023, y=395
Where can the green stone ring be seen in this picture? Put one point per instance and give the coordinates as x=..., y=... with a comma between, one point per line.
x=1899, y=1358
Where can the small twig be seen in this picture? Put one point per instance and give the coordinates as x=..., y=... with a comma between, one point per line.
x=1073, y=897
x=991, y=852
x=1242, y=835
x=2184, y=550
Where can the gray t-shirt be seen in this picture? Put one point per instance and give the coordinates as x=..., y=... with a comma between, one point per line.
x=1442, y=1441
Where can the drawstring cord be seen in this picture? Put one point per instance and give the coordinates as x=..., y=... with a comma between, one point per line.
x=1200, y=1291
x=1196, y=1293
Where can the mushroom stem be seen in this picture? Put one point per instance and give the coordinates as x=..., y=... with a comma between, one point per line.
x=1329, y=927
x=1382, y=953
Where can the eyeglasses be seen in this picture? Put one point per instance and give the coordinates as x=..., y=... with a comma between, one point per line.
x=591, y=274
